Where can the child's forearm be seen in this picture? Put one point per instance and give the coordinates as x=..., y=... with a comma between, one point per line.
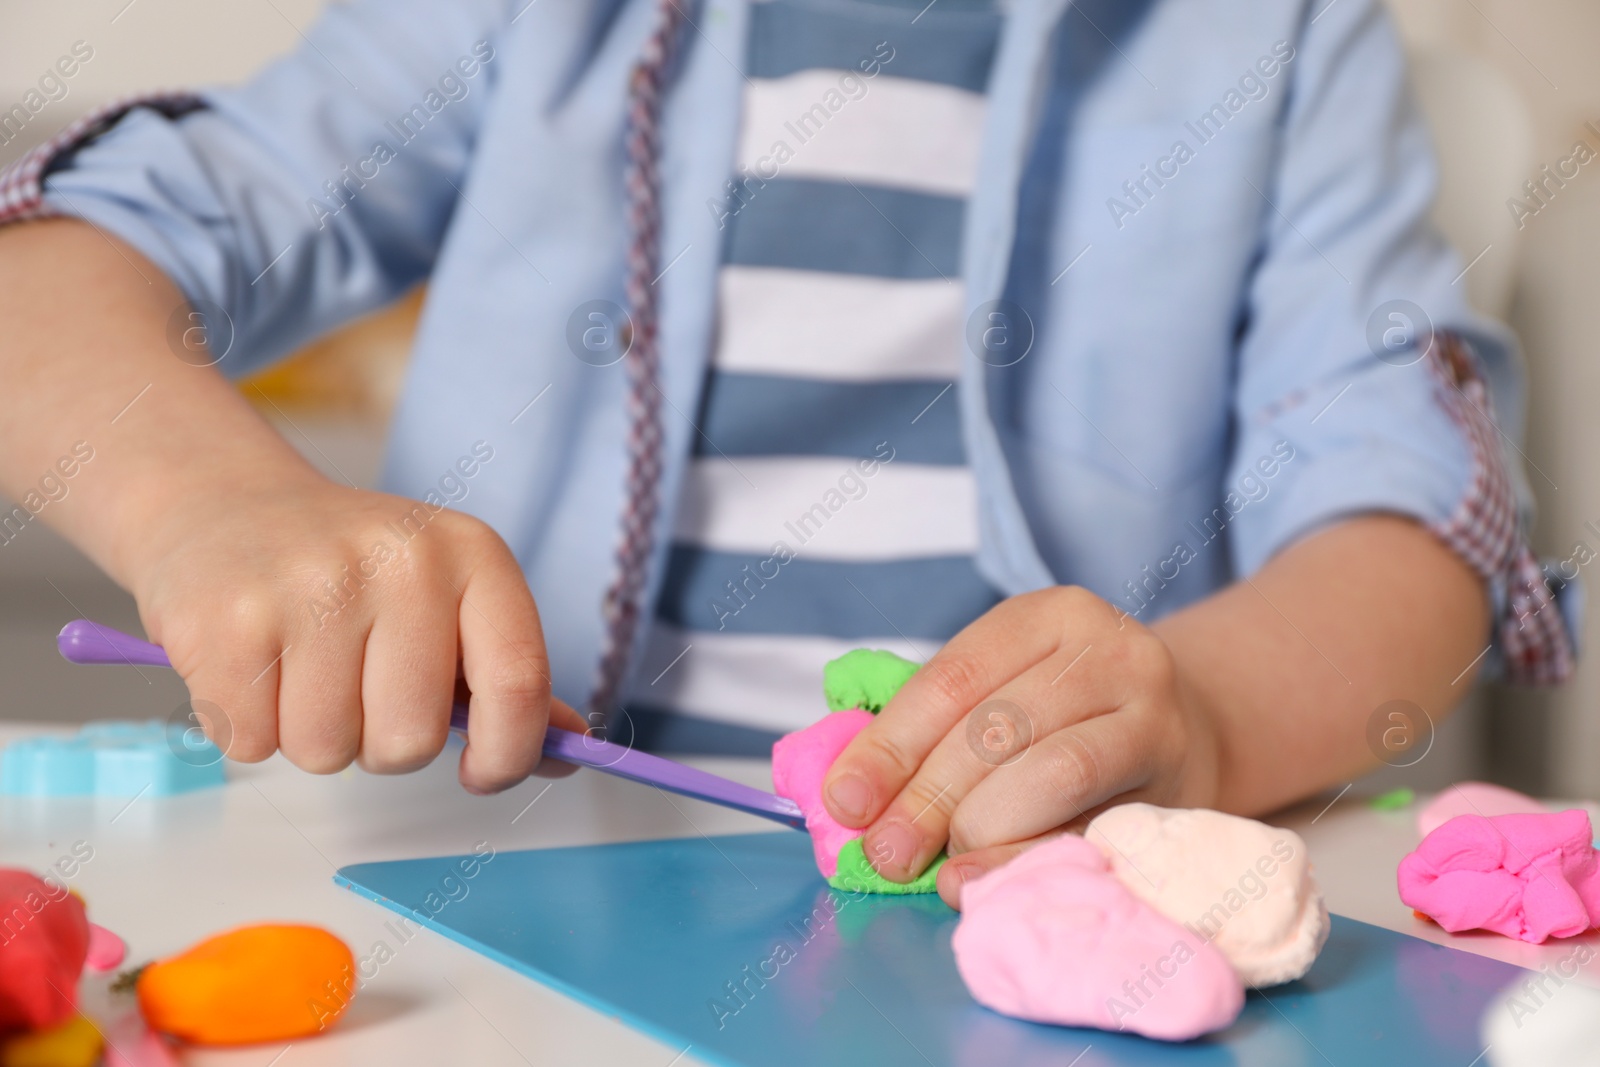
x=90, y=370
x=1292, y=664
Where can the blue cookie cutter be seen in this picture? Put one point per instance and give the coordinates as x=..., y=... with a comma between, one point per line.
x=112, y=759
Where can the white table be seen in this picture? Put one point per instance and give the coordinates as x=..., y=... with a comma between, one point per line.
x=167, y=872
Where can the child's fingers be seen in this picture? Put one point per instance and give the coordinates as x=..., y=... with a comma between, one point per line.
x=913, y=828
x=1020, y=807
x=233, y=687
x=319, y=695
x=1062, y=778
x=996, y=648
x=997, y=733
x=562, y=716
x=407, y=680
x=503, y=659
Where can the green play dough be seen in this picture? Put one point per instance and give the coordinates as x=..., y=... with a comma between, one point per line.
x=865, y=678
x=855, y=874
x=1393, y=800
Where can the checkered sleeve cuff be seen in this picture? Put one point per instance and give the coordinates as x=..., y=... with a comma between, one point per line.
x=1530, y=631
x=22, y=182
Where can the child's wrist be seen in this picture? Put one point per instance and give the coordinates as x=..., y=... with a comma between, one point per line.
x=1203, y=771
x=155, y=522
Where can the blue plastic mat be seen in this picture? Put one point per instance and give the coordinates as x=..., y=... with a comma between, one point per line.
x=735, y=946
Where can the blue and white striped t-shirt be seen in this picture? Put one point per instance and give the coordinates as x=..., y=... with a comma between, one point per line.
x=828, y=504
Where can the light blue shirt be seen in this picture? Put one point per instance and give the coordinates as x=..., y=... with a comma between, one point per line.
x=1200, y=387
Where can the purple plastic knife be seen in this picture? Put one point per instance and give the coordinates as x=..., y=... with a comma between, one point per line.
x=82, y=641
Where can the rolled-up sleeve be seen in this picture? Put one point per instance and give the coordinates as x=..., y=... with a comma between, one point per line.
x=320, y=190
x=1360, y=351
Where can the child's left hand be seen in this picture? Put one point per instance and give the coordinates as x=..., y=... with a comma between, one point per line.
x=1049, y=706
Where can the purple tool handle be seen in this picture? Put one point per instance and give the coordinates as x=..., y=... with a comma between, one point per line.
x=82, y=641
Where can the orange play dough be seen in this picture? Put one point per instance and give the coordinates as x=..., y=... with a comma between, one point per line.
x=253, y=984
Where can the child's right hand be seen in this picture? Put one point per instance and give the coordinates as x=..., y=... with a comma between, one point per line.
x=264, y=581
x=333, y=624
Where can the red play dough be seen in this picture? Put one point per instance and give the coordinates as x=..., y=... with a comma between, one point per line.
x=1054, y=937
x=44, y=938
x=800, y=762
x=1529, y=876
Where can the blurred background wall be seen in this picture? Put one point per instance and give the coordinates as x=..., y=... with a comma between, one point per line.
x=1508, y=86
x=1545, y=52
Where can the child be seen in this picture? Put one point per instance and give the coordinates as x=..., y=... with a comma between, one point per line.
x=1099, y=355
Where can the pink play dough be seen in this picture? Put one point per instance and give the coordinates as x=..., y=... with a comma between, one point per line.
x=1530, y=877
x=1054, y=937
x=106, y=950
x=800, y=762
x=1474, y=798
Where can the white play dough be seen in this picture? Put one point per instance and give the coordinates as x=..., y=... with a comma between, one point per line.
x=1242, y=885
x=1544, y=1024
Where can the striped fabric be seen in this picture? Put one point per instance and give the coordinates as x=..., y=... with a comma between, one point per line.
x=828, y=503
